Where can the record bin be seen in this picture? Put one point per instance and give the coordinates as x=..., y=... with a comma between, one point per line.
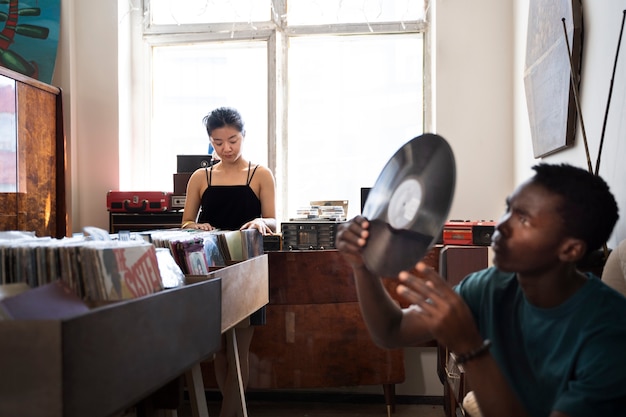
x=99, y=363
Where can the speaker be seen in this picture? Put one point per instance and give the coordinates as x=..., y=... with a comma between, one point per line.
x=180, y=182
x=456, y=261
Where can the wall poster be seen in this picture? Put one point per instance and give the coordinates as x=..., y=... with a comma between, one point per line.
x=29, y=36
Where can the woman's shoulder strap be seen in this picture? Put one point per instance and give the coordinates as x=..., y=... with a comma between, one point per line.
x=250, y=175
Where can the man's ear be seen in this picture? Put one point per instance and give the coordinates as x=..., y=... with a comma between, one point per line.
x=572, y=250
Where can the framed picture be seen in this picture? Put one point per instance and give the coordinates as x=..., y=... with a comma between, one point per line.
x=548, y=72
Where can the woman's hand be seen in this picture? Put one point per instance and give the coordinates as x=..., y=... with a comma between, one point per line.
x=258, y=224
x=197, y=226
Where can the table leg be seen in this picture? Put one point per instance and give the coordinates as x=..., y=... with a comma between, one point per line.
x=233, y=354
x=197, y=397
x=390, y=398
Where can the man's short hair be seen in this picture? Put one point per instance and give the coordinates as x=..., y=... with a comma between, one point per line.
x=589, y=208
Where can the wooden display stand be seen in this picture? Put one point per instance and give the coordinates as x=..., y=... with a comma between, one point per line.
x=99, y=363
x=244, y=291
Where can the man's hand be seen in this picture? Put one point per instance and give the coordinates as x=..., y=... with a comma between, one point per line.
x=443, y=311
x=351, y=238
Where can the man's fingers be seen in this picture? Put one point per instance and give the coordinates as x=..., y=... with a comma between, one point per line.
x=428, y=287
x=432, y=276
x=354, y=234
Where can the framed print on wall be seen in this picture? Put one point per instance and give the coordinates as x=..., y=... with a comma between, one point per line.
x=547, y=73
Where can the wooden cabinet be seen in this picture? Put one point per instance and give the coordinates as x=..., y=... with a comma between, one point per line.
x=315, y=336
x=456, y=262
x=32, y=156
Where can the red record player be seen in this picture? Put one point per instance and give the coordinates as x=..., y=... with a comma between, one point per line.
x=139, y=201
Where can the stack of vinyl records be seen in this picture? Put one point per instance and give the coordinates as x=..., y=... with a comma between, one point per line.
x=95, y=270
x=196, y=251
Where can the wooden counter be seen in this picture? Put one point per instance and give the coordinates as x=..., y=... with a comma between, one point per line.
x=315, y=336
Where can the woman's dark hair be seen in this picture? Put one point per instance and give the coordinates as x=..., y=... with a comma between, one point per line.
x=589, y=209
x=223, y=116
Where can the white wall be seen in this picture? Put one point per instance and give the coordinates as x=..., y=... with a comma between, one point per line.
x=480, y=109
x=474, y=96
x=87, y=73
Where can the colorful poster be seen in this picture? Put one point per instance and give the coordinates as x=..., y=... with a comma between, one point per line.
x=29, y=36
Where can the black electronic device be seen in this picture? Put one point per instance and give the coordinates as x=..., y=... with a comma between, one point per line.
x=272, y=242
x=189, y=163
x=309, y=235
x=364, y=193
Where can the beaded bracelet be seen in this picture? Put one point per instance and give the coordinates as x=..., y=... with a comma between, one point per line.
x=461, y=359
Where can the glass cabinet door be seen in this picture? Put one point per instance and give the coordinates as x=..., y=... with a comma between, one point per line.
x=8, y=154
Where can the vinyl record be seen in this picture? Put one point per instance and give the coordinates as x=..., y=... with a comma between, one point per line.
x=409, y=204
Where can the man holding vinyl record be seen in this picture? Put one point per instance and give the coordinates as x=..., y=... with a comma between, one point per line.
x=535, y=336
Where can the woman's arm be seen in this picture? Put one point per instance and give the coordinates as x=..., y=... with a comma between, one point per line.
x=193, y=199
x=266, y=224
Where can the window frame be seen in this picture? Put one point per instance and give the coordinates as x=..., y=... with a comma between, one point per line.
x=276, y=33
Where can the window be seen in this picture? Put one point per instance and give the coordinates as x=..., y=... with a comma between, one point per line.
x=329, y=89
x=190, y=80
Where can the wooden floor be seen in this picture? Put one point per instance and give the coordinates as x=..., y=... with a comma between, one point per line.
x=306, y=409
x=320, y=406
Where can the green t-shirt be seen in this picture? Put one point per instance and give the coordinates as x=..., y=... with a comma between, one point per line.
x=571, y=358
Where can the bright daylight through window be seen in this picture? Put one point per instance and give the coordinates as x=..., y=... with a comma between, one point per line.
x=329, y=89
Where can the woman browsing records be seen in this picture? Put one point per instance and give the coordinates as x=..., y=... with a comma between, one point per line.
x=233, y=194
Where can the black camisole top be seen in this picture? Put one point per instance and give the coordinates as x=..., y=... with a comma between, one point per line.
x=228, y=207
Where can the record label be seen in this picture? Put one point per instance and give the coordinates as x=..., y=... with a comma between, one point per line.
x=409, y=204
x=404, y=203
